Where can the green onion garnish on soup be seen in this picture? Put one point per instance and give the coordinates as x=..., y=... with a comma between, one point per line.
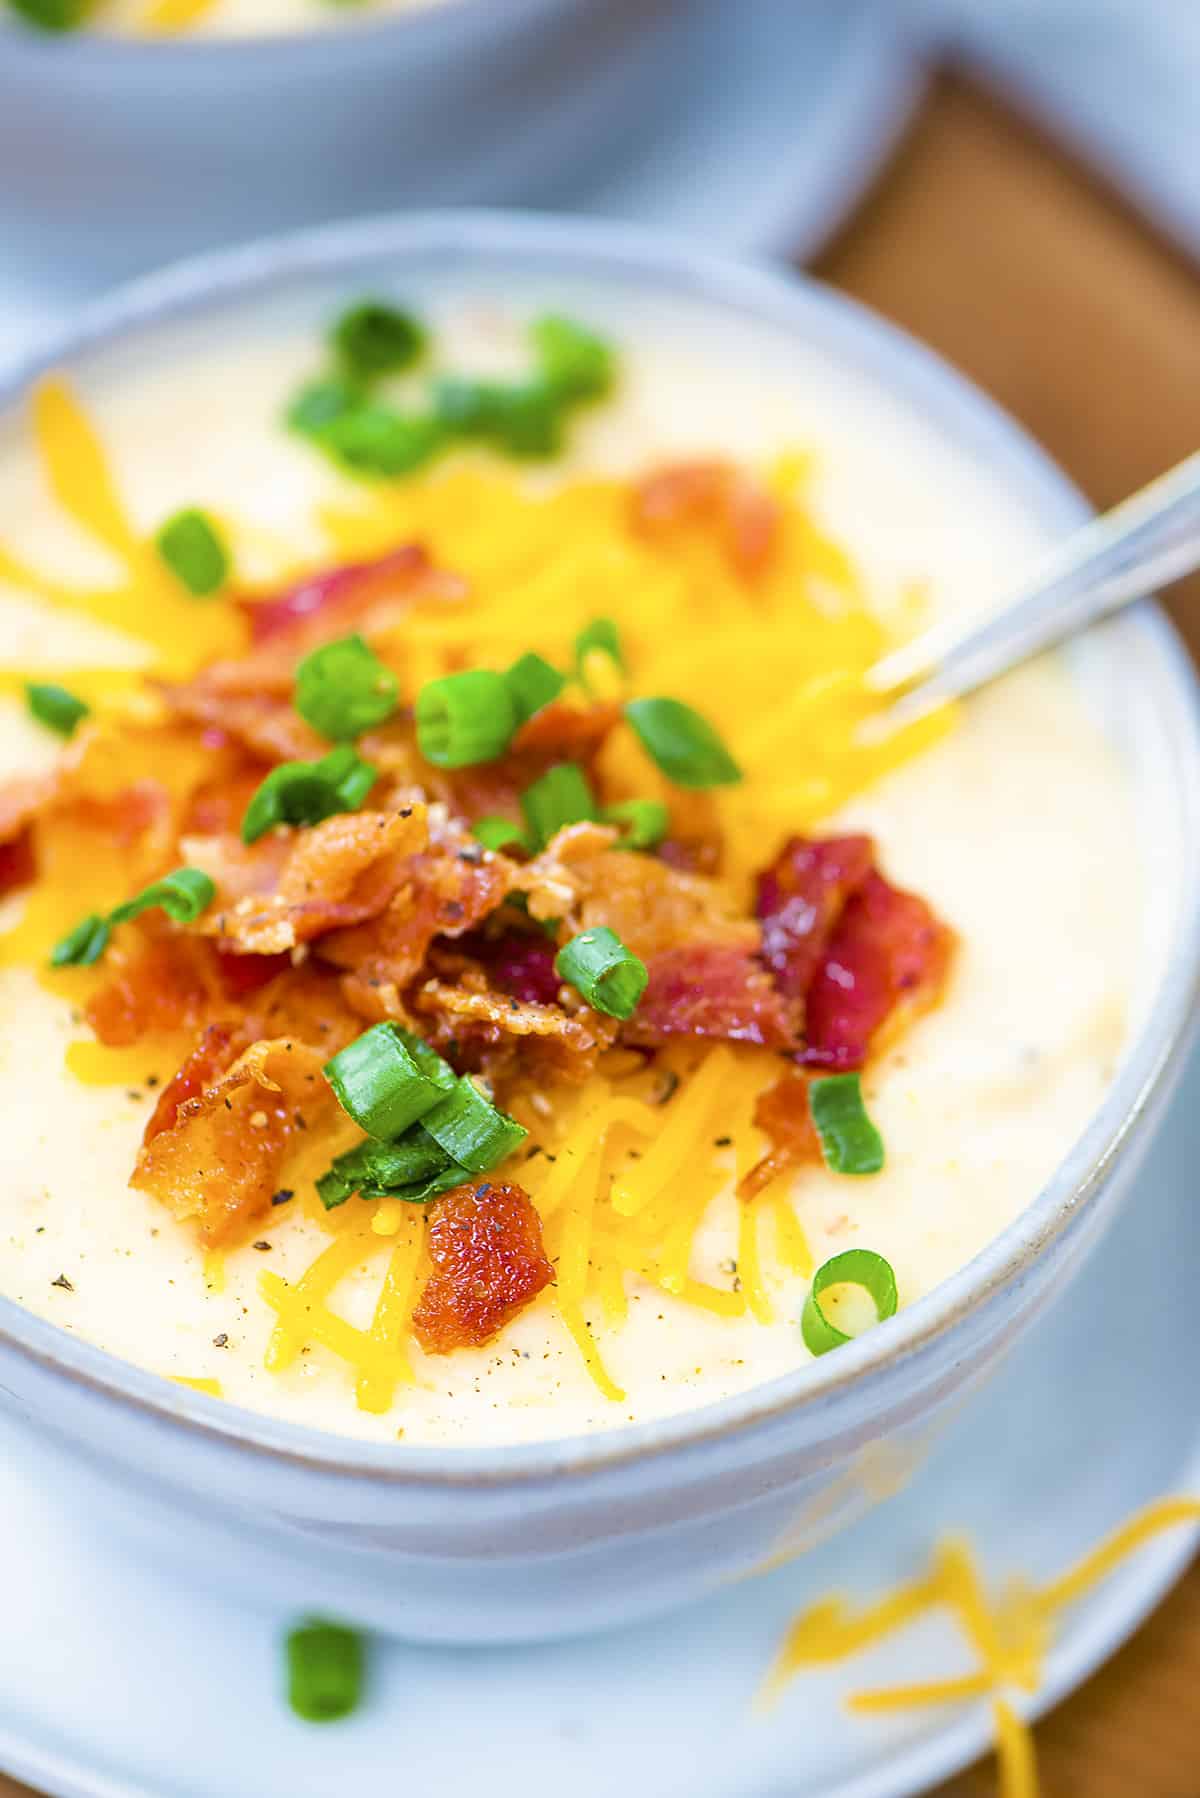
x=683, y=744
x=499, y=833
x=854, y=1267
x=382, y=1166
x=83, y=945
x=371, y=439
x=325, y=1670
x=55, y=707
x=559, y=797
x=343, y=689
x=607, y=974
x=643, y=823
x=472, y=1131
x=385, y=1082
x=307, y=792
x=574, y=363
x=373, y=339
x=850, y=1142
x=533, y=683
x=465, y=718
x=599, y=637
x=192, y=549
x=183, y=895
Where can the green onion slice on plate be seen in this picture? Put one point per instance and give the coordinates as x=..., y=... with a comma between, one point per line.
x=472, y=1131
x=608, y=975
x=533, y=683
x=325, y=1670
x=343, y=688
x=55, y=707
x=854, y=1267
x=683, y=744
x=373, y=339
x=465, y=718
x=191, y=546
x=307, y=792
x=850, y=1142
x=386, y=1079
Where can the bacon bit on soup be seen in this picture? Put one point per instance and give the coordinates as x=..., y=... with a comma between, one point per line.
x=485, y=1240
x=712, y=990
x=531, y=1038
x=799, y=900
x=784, y=1116
x=157, y=983
x=217, y=1163
x=217, y=1049
x=18, y=862
x=887, y=961
x=336, y=596
x=712, y=493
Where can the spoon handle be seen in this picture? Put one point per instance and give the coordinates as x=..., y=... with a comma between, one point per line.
x=1146, y=541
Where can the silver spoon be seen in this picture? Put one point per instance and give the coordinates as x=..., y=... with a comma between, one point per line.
x=1146, y=541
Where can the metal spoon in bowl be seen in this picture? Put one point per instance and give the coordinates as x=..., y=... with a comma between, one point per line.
x=1146, y=541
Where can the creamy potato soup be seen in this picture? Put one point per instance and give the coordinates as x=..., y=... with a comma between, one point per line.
x=468, y=976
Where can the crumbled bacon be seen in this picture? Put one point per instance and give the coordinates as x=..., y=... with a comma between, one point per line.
x=21, y=801
x=18, y=862
x=265, y=724
x=800, y=898
x=784, y=1116
x=217, y=1049
x=712, y=492
x=290, y=887
x=522, y=966
x=218, y=1161
x=537, y=1037
x=886, y=961
x=565, y=733
x=485, y=1240
x=157, y=982
x=711, y=990
x=335, y=592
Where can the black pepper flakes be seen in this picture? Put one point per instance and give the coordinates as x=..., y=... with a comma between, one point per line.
x=63, y=1281
x=261, y=1246
x=221, y=1341
x=283, y=1195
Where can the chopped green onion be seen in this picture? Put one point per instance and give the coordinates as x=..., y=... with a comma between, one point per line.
x=325, y=1670
x=685, y=745
x=183, y=895
x=190, y=546
x=575, y=364
x=307, y=792
x=419, y=1192
x=54, y=707
x=380, y=1166
x=83, y=945
x=343, y=688
x=51, y=15
x=608, y=975
x=643, y=823
x=524, y=419
x=373, y=339
x=853, y=1267
x=499, y=833
x=382, y=1084
x=465, y=718
x=434, y=1066
x=850, y=1142
x=472, y=1130
x=319, y=402
x=372, y=439
x=533, y=683
x=560, y=797
x=601, y=634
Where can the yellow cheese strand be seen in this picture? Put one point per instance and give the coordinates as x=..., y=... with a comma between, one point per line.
x=211, y=1387
x=385, y=1363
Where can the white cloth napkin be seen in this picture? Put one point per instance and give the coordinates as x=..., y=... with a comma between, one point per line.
x=1117, y=79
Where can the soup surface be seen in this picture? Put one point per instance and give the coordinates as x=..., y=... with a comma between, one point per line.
x=730, y=523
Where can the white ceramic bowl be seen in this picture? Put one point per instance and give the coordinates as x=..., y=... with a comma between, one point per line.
x=118, y=153
x=531, y=1541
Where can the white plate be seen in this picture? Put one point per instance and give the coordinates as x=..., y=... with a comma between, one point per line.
x=121, y=1680
x=771, y=117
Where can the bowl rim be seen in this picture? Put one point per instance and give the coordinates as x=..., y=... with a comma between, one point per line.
x=428, y=25
x=917, y=378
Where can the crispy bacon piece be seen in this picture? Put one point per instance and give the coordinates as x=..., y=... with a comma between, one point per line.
x=21, y=801
x=288, y=888
x=156, y=983
x=565, y=733
x=522, y=966
x=886, y=962
x=266, y=725
x=800, y=898
x=333, y=595
x=446, y=891
x=711, y=990
x=18, y=862
x=710, y=492
x=470, y=1020
x=217, y=1049
x=783, y=1114
x=217, y=1162
x=489, y=1263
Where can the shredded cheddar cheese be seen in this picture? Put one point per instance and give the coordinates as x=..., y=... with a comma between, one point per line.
x=1010, y=1636
x=633, y=1183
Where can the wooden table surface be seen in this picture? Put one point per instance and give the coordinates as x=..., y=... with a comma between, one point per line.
x=986, y=242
